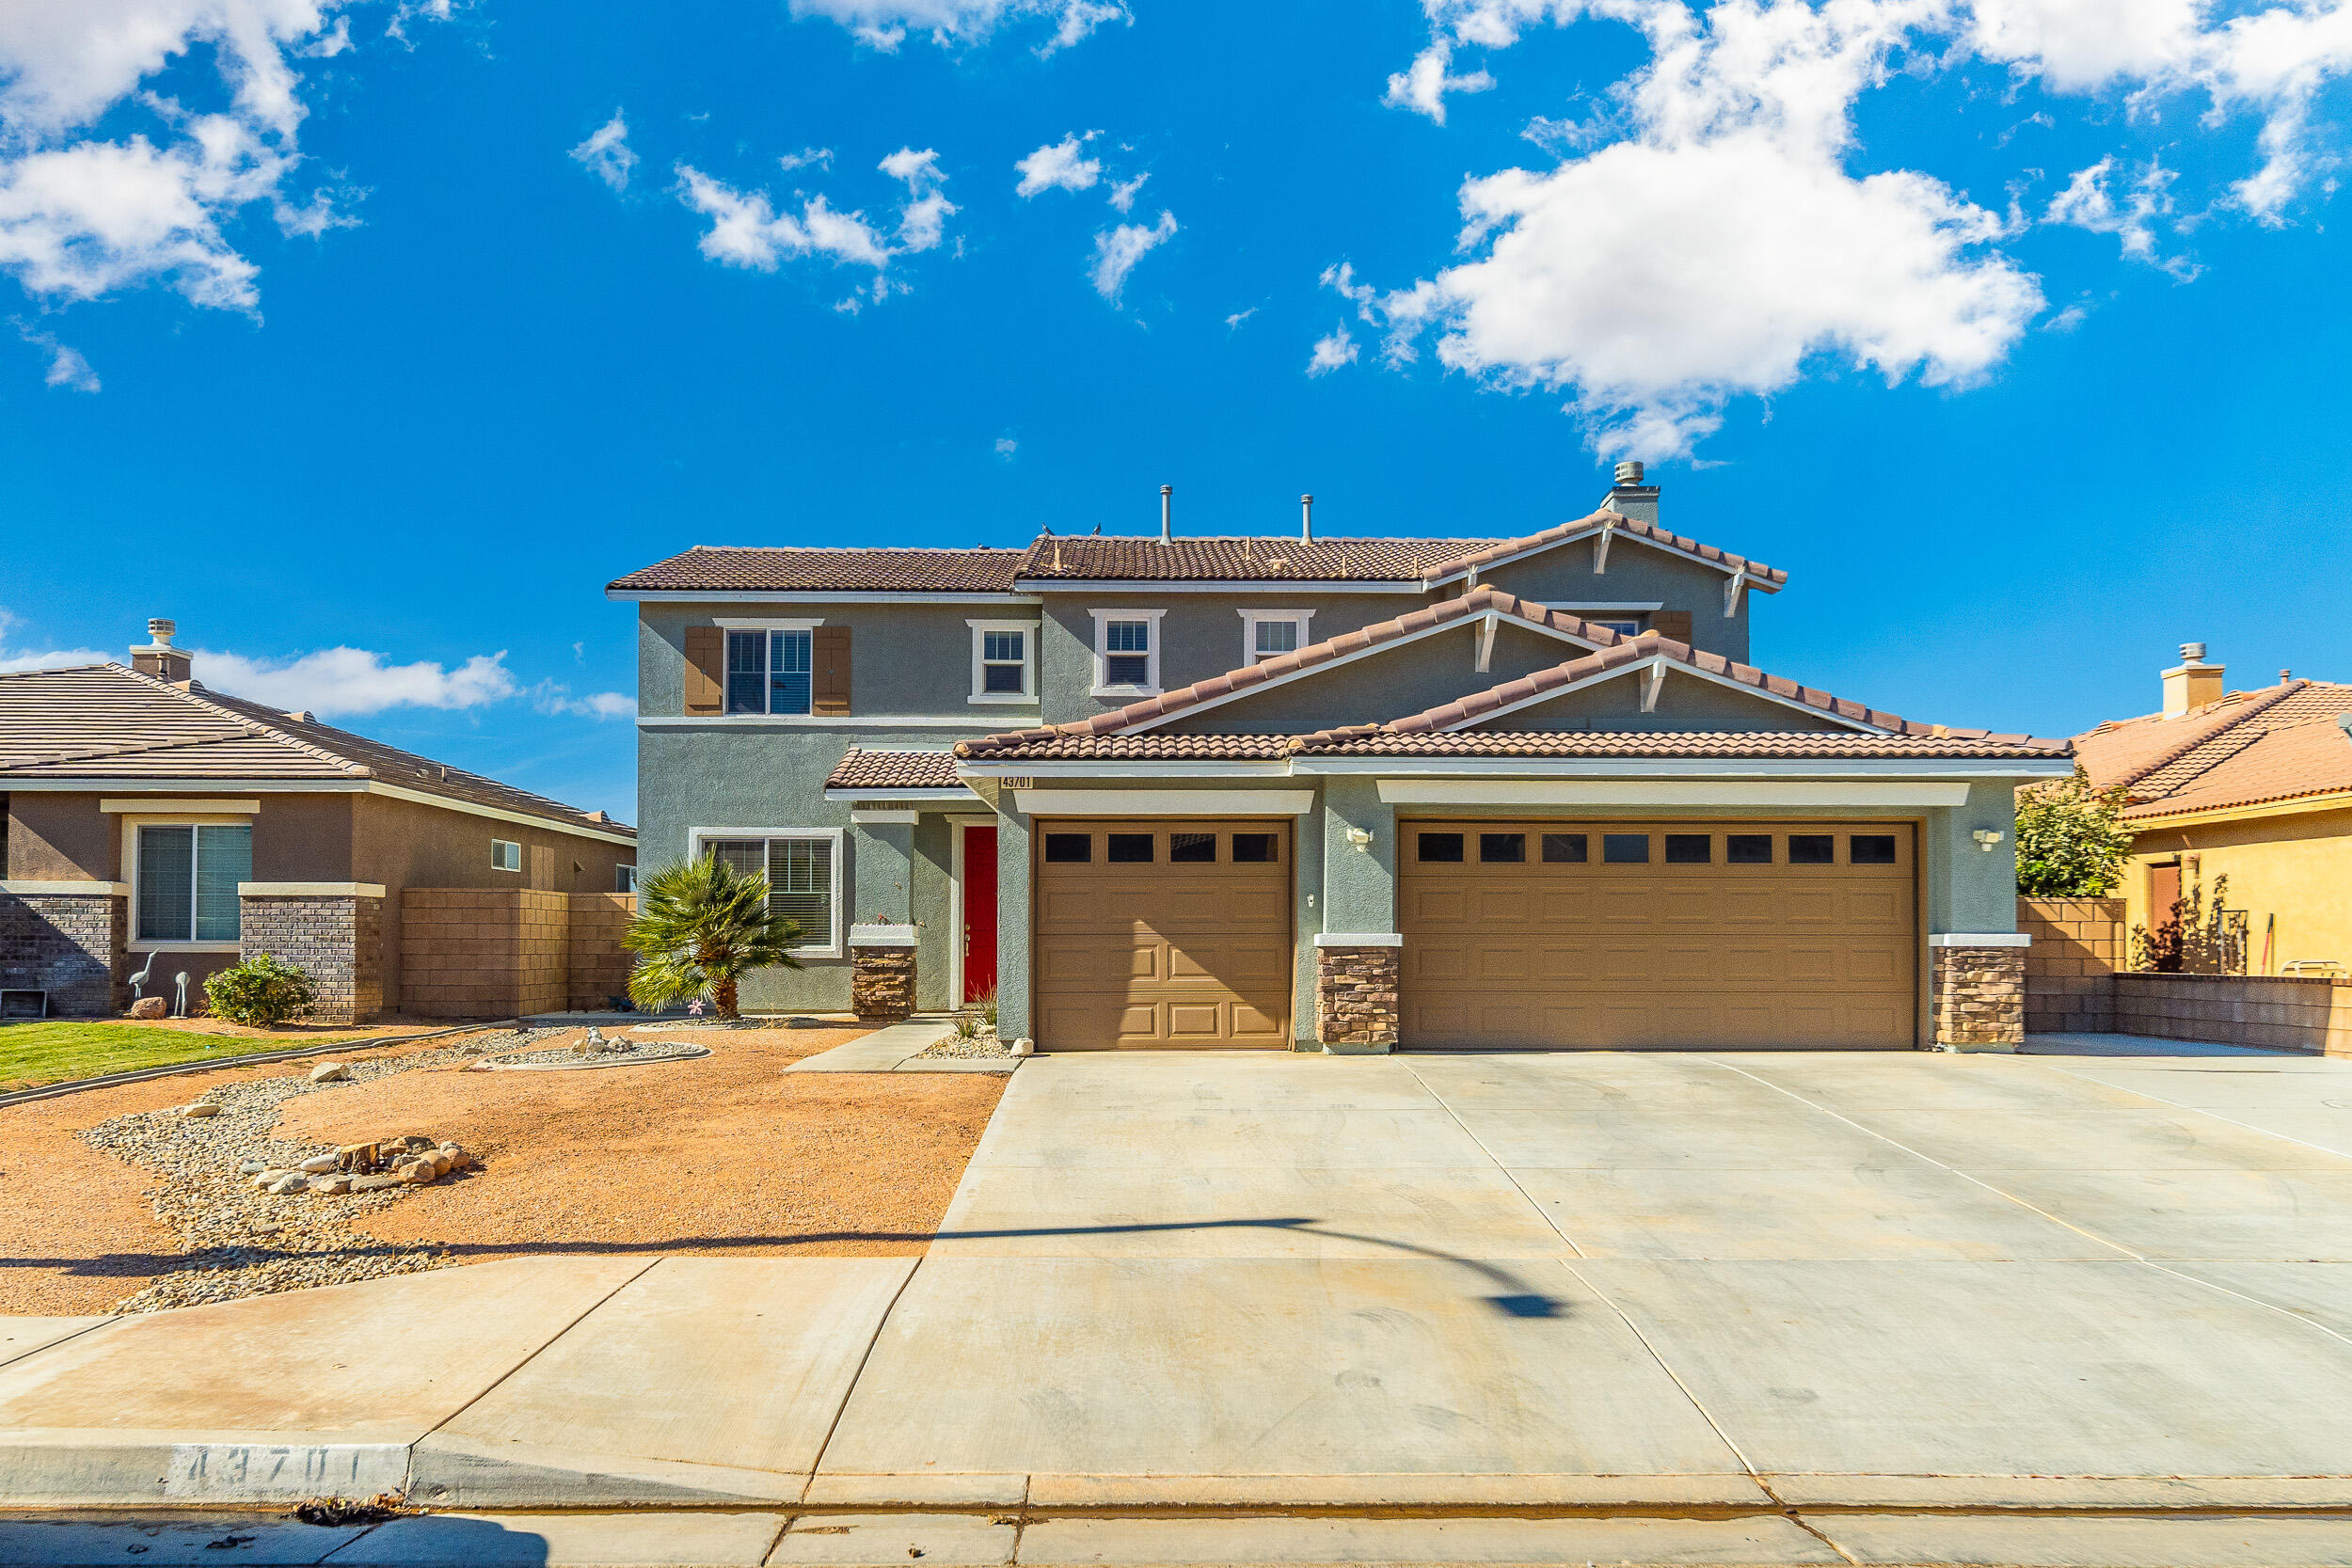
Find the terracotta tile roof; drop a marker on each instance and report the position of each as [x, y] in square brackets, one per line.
[2255, 748]
[1095, 557]
[1373, 741]
[104, 721]
[884, 770]
[1768, 579]
[1477, 601]
[761, 569]
[1469, 710]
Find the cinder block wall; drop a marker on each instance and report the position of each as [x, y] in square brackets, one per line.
[598, 965]
[2071, 968]
[484, 951]
[2275, 1011]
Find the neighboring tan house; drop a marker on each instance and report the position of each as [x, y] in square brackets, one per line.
[153, 825]
[2255, 787]
[1357, 792]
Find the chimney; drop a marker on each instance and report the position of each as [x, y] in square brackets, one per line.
[2193, 683]
[1632, 500]
[1307, 519]
[1166, 527]
[159, 658]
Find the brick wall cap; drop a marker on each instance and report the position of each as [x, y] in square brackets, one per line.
[1359, 939]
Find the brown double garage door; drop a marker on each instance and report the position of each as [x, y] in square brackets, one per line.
[1541, 935]
[1700, 935]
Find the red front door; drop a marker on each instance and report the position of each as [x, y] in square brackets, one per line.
[979, 913]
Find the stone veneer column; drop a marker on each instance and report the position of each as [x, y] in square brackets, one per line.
[1356, 990]
[331, 931]
[1979, 995]
[66, 939]
[881, 971]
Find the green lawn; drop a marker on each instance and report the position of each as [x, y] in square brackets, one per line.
[51, 1052]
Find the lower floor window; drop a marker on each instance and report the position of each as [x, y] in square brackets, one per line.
[802, 872]
[187, 880]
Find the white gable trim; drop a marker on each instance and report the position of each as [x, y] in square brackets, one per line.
[1345, 660]
[1654, 670]
[1614, 530]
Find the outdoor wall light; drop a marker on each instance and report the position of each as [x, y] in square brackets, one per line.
[1986, 838]
[1361, 839]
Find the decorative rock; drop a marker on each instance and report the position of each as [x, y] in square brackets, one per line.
[252, 1167]
[150, 1007]
[270, 1176]
[1025, 1047]
[331, 1186]
[330, 1071]
[318, 1163]
[294, 1181]
[373, 1183]
[200, 1109]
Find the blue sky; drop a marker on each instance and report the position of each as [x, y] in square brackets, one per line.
[370, 340]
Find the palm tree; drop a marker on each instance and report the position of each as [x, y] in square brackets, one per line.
[700, 927]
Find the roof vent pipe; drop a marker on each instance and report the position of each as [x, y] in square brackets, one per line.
[2192, 683]
[1307, 519]
[1629, 474]
[1166, 527]
[158, 657]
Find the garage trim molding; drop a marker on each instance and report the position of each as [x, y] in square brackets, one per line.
[1359, 939]
[1980, 939]
[1165, 803]
[1670, 792]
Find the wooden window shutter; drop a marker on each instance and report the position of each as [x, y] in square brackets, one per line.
[1674, 624]
[829, 682]
[706, 669]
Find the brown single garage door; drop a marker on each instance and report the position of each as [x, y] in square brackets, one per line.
[1690, 935]
[1163, 934]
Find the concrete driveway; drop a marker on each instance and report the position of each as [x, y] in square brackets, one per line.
[1649, 1284]
[1846, 1278]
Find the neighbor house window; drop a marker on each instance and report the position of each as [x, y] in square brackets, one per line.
[506, 855]
[1623, 628]
[1126, 652]
[768, 670]
[804, 870]
[1002, 667]
[1269, 633]
[625, 879]
[187, 878]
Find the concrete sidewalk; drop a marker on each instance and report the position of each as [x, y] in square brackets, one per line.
[898, 1047]
[1653, 1286]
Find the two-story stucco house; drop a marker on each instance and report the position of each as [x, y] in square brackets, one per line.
[1358, 793]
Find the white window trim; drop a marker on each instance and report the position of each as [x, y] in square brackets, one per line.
[1250, 619]
[1026, 696]
[131, 825]
[766, 624]
[697, 838]
[516, 869]
[1103, 688]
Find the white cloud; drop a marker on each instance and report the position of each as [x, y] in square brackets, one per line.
[923, 218]
[151, 202]
[67, 368]
[2089, 202]
[885, 23]
[550, 696]
[1338, 348]
[1124, 194]
[606, 154]
[1059, 165]
[1006, 446]
[746, 230]
[1240, 316]
[335, 681]
[1117, 250]
[807, 157]
[1421, 86]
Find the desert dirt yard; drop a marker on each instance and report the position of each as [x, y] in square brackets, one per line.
[111, 1201]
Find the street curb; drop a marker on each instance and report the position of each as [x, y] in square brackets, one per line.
[173, 1069]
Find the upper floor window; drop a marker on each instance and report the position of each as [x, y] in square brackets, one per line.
[188, 876]
[768, 671]
[1003, 662]
[1267, 633]
[1126, 652]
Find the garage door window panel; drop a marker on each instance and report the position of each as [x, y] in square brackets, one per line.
[1690, 850]
[1625, 848]
[1502, 849]
[1564, 848]
[1812, 849]
[1748, 848]
[1441, 849]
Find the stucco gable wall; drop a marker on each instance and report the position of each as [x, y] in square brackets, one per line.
[1386, 684]
[1686, 703]
[1638, 573]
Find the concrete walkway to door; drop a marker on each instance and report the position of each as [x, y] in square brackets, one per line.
[1658, 1284]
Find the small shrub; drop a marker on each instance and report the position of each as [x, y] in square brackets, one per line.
[966, 1026]
[263, 991]
[988, 1010]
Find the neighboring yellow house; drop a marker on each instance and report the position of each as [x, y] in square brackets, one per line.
[2252, 786]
